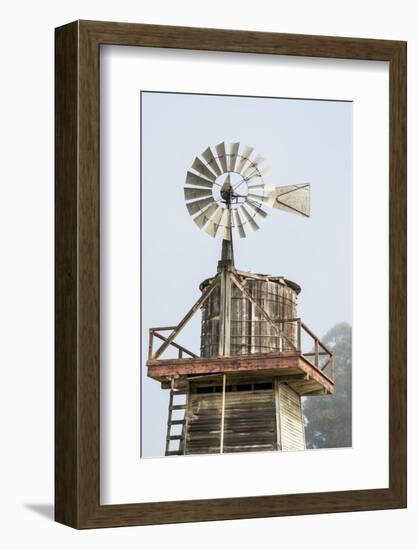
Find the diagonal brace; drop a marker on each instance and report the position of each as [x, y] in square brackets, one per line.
[200, 302]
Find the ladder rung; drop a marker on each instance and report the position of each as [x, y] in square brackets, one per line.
[176, 422]
[171, 453]
[179, 392]
[173, 437]
[177, 407]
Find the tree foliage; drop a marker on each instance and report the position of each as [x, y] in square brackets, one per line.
[328, 419]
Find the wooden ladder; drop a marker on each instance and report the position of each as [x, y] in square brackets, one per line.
[179, 422]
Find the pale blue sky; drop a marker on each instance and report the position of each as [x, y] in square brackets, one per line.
[302, 141]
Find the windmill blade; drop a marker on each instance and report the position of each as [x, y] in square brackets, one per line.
[234, 149]
[211, 161]
[247, 151]
[264, 199]
[237, 223]
[214, 224]
[199, 166]
[193, 179]
[227, 226]
[204, 216]
[258, 186]
[194, 207]
[252, 223]
[191, 193]
[265, 172]
[255, 175]
[264, 186]
[253, 167]
[292, 198]
[256, 197]
[257, 208]
[221, 153]
[254, 178]
[259, 173]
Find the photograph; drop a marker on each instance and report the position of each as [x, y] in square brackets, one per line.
[246, 273]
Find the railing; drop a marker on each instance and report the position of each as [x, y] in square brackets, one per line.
[284, 335]
[322, 357]
[155, 333]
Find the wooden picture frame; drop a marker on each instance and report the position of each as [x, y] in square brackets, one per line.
[77, 402]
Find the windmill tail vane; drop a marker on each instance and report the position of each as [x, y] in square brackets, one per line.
[226, 193]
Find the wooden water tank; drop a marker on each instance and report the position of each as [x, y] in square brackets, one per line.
[249, 331]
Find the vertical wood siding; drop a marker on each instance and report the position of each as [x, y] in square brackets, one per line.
[291, 419]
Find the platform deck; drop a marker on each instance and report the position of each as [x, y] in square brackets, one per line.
[298, 371]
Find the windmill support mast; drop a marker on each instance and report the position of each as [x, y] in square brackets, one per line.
[225, 267]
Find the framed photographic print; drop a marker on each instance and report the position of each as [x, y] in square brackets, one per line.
[230, 274]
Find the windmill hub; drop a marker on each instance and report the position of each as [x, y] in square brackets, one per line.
[231, 188]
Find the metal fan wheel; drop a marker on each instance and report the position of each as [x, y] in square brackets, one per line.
[225, 189]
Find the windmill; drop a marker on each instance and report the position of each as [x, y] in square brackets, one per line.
[228, 192]
[257, 357]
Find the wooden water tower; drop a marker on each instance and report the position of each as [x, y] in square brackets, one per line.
[257, 357]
